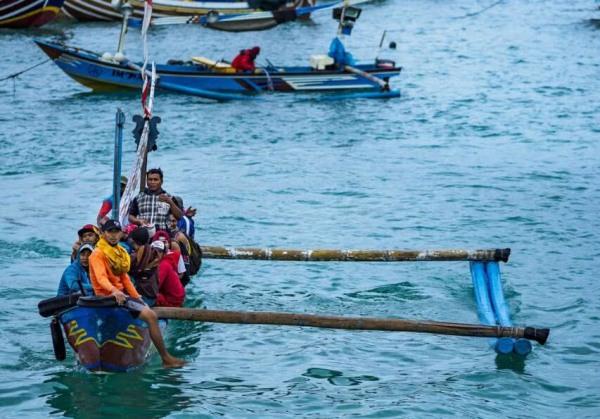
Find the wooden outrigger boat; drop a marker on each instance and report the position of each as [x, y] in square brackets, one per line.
[108, 10]
[206, 78]
[28, 13]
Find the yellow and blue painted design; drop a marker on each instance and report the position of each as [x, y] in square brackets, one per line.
[107, 338]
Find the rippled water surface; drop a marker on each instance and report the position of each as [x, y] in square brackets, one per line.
[494, 143]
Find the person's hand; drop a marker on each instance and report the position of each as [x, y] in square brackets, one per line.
[163, 197]
[119, 296]
[76, 246]
[190, 212]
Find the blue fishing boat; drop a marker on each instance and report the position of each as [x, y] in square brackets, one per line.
[203, 77]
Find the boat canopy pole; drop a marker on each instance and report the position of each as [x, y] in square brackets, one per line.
[335, 255]
[351, 323]
[119, 122]
[126, 10]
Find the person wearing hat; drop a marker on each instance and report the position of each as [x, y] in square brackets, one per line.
[170, 290]
[107, 204]
[87, 234]
[76, 277]
[109, 267]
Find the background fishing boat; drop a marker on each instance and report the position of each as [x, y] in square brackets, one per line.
[28, 13]
[200, 76]
[95, 10]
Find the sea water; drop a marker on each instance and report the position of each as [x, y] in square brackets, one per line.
[494, 143]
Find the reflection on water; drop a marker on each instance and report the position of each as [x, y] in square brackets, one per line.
[154, 391]
[510, 362]
[337, 378]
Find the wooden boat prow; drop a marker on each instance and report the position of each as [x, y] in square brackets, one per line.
[106, 339]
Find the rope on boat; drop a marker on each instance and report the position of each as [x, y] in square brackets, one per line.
[485, 9]
[18, 73]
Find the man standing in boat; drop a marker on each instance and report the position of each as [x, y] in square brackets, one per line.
[109, 264]
[153, 205]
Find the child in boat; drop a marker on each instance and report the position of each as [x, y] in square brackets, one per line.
[87, 234]
[76, 277]
[244, 61]
[109, 264]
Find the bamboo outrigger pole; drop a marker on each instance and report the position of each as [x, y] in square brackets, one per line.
[351, 323]
[330, 255]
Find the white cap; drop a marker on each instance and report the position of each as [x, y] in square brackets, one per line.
[157, 244]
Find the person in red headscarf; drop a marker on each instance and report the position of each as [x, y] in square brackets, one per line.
[244, 61]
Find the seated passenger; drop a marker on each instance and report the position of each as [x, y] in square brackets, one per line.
[170, 291]
[244, 61]
[186, 223]
[173, 253]
[76, 277]
[144, 265]
[86, 234]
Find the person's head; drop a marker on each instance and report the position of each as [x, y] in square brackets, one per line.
[162, 236]
[111, 232]
[179, 202]
[88, 234]
[160, 248]
[123, 184]
[154, 179]
[172, 223]
[139, 236]
[254, 52]
[84, 254]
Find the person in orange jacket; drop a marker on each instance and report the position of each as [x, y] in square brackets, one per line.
[109, 264]
[244, 61]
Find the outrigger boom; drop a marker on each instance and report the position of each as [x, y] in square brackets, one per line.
[351, 323]
[335, 255]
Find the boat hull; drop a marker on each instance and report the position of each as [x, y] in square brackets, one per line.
[94, 10]
[28, 13]
[106, 339]
[90, 70]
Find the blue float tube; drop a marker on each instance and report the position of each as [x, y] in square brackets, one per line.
[485, 309]
[208, 94]
[522, 346]
[364, 95]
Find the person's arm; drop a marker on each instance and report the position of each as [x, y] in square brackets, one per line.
[175, 210]
[104, 210]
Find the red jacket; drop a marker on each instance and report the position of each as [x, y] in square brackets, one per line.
[244, 61]
[170, 291]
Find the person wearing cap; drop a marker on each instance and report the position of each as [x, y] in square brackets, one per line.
[152, 206]
[109, 264]
[170, 290]
[173, 254]
[107, 204]
[76, 277]
[87, 234]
